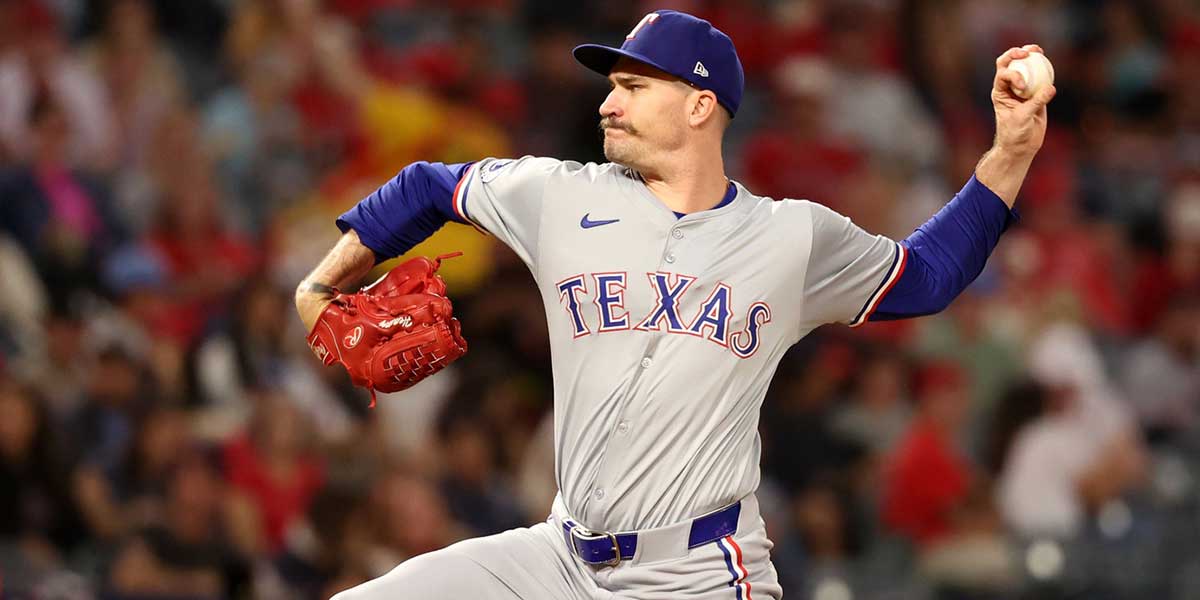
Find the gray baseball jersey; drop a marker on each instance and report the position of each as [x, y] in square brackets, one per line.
[666, 331]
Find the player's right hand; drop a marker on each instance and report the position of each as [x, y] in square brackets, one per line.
[1020, 123]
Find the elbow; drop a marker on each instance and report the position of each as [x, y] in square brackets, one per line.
[941, 280]
[302, 299]
[942, 294]
[939, 304]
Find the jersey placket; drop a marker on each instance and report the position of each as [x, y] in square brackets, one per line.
[615, 464]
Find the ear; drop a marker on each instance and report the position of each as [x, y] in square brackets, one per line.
[703, 107]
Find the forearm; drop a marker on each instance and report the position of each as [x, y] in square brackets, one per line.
[348, 262]
[1003, 171]
[391, 221]
[942, 257]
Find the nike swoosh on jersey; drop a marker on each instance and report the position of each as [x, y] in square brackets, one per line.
[588, 224]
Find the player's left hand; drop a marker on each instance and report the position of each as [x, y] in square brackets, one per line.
[1020, 123]
[395, 332]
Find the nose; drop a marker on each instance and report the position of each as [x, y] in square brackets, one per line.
[611, 107]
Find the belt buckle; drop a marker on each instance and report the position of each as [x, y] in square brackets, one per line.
[585, 533]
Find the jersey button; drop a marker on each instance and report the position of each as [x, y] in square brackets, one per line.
[677, 234]
[670, 258]
[646, 362]
[623, 427]
[598, 494]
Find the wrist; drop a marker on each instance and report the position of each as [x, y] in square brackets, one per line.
[1002, 170]
[311, 301]
[1013, 153]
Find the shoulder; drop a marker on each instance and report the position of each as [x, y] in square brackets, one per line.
[596, 171]
[558, 170]
[788, 209]
[495, 168]
[826, 224]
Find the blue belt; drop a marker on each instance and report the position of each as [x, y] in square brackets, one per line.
[604, 548]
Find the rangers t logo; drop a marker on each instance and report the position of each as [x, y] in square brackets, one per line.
[646, 20]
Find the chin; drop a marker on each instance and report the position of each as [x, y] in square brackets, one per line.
[620, 155]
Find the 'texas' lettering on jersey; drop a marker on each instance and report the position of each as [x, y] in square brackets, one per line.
[711, 322]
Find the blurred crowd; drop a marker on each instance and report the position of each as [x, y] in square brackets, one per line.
[169, 170]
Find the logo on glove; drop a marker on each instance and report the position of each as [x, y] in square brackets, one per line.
[351, 340]
[319, 349]
[371, 333]
[403, 321]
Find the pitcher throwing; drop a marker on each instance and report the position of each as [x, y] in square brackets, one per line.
[671, 294]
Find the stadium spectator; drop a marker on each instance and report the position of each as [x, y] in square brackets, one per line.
[37, 512]
[59, 215]
[40, 64]
[927, 478]
[187, 553]
[273, 468]
[1161, 376]
[1079, 452]
[411, 518]
[876, 415]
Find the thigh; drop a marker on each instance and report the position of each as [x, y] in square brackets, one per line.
[520, 564]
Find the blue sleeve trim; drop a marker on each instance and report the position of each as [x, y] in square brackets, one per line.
[406, 210]
[947, 253]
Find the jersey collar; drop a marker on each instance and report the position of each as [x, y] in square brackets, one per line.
[668, 217]
[730, 194]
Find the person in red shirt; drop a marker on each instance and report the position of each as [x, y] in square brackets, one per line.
[271, 467]
[926, 478]
[205, 259]
[797, 150]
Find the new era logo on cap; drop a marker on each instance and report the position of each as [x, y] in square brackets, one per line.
[700, 70]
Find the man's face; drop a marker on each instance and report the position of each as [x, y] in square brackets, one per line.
[644, 115]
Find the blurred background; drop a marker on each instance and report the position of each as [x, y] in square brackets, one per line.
[169, 170]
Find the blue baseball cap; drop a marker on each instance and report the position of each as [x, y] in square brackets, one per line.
[681, 45]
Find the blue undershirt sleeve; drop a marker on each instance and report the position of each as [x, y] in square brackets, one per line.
[406, 210]
[947, 253]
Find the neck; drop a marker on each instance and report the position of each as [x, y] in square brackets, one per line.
[690, 185]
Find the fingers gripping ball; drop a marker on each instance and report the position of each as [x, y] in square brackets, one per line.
[393, 333]
[1036, 71]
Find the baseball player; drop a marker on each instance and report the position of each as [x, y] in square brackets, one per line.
[671, 293]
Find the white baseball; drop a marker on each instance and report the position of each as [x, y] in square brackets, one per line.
[1037, 72]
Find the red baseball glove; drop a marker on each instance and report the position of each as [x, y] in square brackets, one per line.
[393, 333]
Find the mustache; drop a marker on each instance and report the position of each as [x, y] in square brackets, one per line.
[609, 123]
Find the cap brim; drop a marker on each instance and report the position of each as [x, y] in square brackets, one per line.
[602, 59]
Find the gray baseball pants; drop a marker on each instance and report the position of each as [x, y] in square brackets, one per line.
[535, 563]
